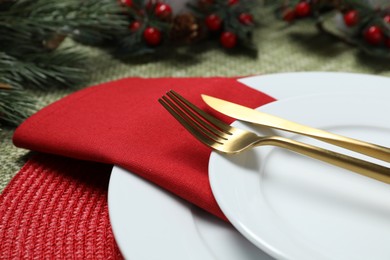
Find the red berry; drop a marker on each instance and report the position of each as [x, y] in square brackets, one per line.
[387, 18]
[228, 40]
[152, 36]
[374, 35]
[288, 15]
[351, 18]
[246, 18]
[213, 22]
[163, 10]
[128, 3]
[302, 9]
[232, 2]
[134, 26]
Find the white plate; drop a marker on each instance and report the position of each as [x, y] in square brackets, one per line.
[149, 223]
[294, 207]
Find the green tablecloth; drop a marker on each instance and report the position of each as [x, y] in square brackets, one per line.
[281, 49]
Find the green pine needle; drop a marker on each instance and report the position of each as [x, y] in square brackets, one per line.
[43, 70]
[15, 106]
[26, 60]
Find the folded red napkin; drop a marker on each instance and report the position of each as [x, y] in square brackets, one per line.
[122, 123]
[56, 208]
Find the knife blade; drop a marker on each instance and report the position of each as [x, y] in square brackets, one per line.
[257, 117]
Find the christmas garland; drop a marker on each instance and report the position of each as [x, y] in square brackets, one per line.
[153, 26]
[364, 24]
[32, 32]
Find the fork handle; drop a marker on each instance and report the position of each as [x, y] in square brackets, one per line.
[359, 166]
[369, 149]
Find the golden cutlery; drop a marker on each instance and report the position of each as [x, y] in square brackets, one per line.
[227, 139]
[253, 116]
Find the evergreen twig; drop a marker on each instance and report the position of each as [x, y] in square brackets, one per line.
[324, 12]
[30, 58]
[15, 106]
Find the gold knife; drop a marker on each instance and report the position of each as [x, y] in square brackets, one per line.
[253, 116]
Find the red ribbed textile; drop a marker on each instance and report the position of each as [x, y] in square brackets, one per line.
[56, 208]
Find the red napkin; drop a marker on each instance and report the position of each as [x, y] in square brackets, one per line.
[56, 207]
[122, 123]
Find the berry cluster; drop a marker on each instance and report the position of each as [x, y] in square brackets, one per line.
[227, 19]
[368, 26]
[154, 23]
[159, 10]
[300, 10]
[373, 33]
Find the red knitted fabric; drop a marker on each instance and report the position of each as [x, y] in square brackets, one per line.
[56, 208]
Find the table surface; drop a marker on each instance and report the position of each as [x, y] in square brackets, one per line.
[281, 48]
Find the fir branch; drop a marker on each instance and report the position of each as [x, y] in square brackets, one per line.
[355, 35]
[43, 70]
[49, 14]
[14, 105]
[31, 31]
[81, 19]
[27, 28]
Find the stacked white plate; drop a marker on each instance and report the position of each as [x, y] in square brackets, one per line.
[282, 205]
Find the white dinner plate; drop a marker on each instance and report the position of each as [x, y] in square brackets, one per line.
[295, 207]
[149, 223]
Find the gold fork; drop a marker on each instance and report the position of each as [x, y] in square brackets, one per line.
[231, 140]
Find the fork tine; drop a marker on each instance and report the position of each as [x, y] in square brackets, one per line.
[223, 126]
[188, 123]
[198, 118]
[192, 121]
